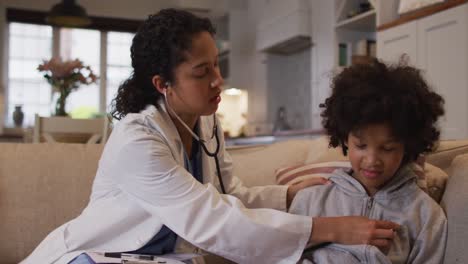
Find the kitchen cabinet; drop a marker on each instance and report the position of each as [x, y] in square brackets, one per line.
[394, 42]
[438, 45]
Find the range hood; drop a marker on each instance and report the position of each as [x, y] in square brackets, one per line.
[286, 34]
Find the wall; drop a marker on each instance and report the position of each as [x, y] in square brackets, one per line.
[257, 72]
[289, 85]
[247, 66]
[322, 55]
[260, 73]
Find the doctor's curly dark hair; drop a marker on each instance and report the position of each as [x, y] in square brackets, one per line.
[157, 49]
[377, 93]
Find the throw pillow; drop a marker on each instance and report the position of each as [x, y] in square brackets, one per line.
[430, 178]
[293, 174]
[436, 180]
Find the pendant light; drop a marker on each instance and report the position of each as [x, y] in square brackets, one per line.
[68, 14]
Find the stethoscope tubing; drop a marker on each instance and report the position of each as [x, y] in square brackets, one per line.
[215, 156]
[202, 142]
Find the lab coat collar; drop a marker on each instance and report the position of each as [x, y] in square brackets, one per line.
[162, 122]
[161, 116]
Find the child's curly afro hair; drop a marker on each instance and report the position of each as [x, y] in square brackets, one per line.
[377, 93]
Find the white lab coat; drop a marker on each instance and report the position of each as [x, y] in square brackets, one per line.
[141, 184]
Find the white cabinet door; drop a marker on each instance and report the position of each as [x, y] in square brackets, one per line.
[443, 56]
[396, 41]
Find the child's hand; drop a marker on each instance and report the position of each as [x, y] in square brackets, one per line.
[293, 189]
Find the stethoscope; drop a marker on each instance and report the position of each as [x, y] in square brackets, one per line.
[200, 140]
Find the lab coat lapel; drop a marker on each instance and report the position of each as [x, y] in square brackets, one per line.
[169, 131]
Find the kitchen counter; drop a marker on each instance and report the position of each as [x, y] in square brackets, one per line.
[276, 137]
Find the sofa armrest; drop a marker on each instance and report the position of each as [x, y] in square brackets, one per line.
[454, 202]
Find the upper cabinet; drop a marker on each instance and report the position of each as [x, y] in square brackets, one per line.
[394, 42]
[438, 45]
[442, 41]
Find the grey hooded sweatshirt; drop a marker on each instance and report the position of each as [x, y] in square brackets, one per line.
[421, 239]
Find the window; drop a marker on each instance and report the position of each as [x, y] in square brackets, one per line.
[118, 62]
[29, 44]
[81, 44]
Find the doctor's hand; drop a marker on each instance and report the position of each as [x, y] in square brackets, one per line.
[353, 230]
[296, 187]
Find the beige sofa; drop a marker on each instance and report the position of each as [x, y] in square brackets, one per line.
[44, 185]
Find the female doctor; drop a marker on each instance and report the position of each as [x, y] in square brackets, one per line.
[159, 186]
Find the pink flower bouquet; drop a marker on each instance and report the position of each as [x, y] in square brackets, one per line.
[65, 77]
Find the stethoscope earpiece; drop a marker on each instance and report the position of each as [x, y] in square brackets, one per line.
[167, 84]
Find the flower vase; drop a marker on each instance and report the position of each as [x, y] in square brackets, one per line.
[60, 104]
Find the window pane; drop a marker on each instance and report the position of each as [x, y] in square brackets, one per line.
[119, 65]
[82, 44]
[28, 46]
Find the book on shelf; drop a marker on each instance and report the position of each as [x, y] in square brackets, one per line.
[342, 55]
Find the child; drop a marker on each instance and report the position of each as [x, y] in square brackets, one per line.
[383, 117]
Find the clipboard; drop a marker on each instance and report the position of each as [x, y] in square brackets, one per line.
[124, 258]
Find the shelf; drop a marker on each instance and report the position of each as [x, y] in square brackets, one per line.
[363, 22]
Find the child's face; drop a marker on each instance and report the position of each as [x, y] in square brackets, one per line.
[375, 155]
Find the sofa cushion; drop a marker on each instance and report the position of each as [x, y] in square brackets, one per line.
[436, 180]
[322, 152]
[255, 165]
[41, 187]
[447, 150]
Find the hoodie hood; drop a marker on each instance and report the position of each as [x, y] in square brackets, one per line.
[394, 187]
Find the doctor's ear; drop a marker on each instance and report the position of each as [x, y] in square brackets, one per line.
[160, 84]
